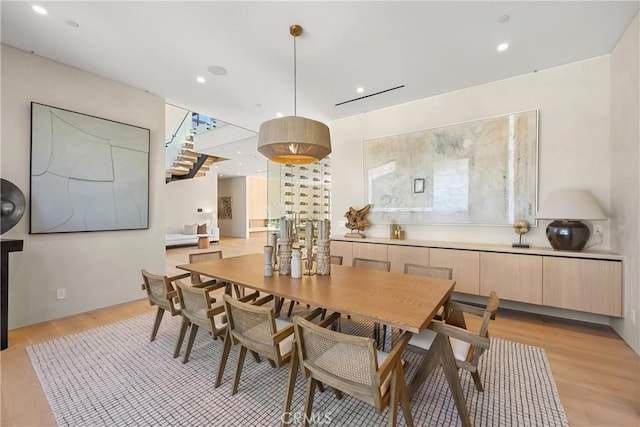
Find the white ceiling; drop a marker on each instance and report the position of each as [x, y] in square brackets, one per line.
[430, 47]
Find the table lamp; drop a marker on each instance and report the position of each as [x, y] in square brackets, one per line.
[567, 209]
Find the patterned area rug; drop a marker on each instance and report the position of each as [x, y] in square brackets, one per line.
[113, 376]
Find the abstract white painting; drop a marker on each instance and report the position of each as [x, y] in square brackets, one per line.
[87, 173]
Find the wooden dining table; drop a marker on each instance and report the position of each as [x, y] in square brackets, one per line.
[402, 301]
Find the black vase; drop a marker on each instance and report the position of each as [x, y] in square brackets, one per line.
[565, 235]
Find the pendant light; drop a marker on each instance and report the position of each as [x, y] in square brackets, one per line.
[294, 139]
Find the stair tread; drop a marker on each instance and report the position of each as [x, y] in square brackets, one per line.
[186, 163]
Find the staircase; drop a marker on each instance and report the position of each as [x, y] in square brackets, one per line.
[189, 163]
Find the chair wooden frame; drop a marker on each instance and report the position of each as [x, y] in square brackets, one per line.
[373, 393]
[196, 279]
[198, 312]
[269, 348]
[478, 342]
[161, 293]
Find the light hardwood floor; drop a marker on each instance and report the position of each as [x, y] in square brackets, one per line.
[597, 374]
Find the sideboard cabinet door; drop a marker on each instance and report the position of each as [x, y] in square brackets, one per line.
[513, 277]
[343, 249]
[465, 265]
[369, 251]
[401, 255]
[594, 286]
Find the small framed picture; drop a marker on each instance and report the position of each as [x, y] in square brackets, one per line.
[418, 185]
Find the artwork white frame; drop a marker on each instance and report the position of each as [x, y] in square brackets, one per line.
[87, 173]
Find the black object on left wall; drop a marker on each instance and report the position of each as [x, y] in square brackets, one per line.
[12, 206]
[6, 246]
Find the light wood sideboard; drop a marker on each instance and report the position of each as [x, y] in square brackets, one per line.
[588, 281]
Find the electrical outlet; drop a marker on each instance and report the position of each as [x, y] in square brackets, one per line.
[61, 293]
[597, 229]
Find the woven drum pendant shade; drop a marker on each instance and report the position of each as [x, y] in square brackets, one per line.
[294, 140]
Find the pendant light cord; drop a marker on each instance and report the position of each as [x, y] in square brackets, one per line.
[295, 111]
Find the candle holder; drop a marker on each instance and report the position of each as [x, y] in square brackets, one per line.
[273, 241]
[296, 264]
[323, 258]
[268, 266]
[285, 256]
[308, 229]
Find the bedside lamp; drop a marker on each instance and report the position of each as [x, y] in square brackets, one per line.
[568, 208]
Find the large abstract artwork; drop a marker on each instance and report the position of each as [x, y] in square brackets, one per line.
[87, 173]
[482, 172]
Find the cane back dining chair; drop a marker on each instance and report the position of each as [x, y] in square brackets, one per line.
[254, 327]
[430, 271]
[161, 293]
[467, 346]
[196, 278]
[374, 264]
[335, 259]
[352, 365]
[198, 312]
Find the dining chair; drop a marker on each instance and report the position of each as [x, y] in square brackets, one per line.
[352, 365]
[374, 264]
[161, 293]
[430, 271]
[254, 327]
[196, 278]
[371, 264]
[335, 260]
[467, 346]
[198, 312]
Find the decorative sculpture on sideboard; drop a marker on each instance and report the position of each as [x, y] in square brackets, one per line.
[357, 220]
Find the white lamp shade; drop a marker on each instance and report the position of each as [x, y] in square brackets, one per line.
[571, 205]
[294, 140]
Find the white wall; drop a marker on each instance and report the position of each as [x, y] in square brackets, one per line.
[237, 189]
[573, 141]
[625, 177]
[184, 197]
[97, 269]
[588, 138]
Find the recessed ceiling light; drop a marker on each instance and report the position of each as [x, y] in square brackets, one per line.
[503, 19]
[217, 70]
[200, 79]
[239, 163]
[73, 24]
[503, 46]
[39, 9]
[278, 114]
[360, 90]
[215, 167]
[239, 152]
